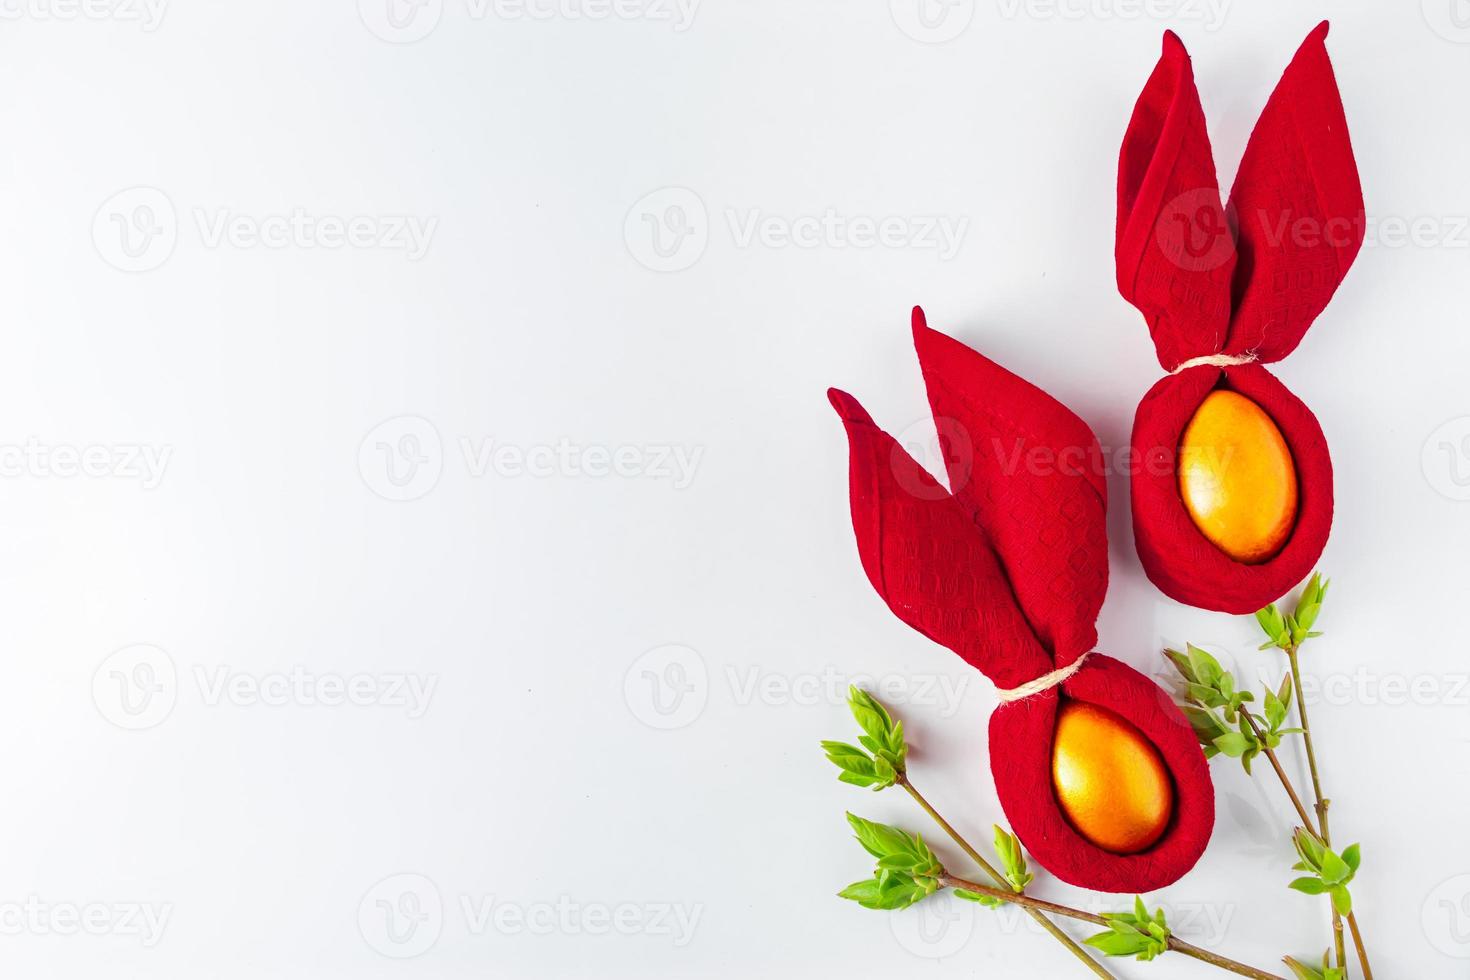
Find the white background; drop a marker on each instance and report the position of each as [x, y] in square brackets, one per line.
[283, 379]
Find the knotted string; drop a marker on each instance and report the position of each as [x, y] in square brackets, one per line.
[1216, 360]
[1043, 683]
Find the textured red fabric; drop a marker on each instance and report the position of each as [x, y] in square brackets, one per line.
[1247, 286]
[1009, 571]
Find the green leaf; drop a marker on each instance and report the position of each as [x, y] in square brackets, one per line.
[880, 840]
[1206, 668]
[883, 736]
[1353, 857]
[871, 716]
[1310, 604]
[1301, 971]
[1205, 695]
[989, 901]
[865, 893]
[1341, 900]
[1112, 944]
[1310, 849]
[1133, 933]
[1207, 726]
[1233, 744]
[1275, 712]
[1283, 693]
[862, 766]
[1270, 621]
[1181, 664]
[899, 854]
[900, 862]
[1334, 869]
[897, 745]
[901, 897]
[842, 750]
[1308, 886]
[1012, 859]
[857, 779]
[1326, 971]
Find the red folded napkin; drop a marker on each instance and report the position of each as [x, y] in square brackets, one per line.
[1297, 213]
[1008, 568]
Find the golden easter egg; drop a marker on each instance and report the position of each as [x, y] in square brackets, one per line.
[1109, 779]
[1237, 478]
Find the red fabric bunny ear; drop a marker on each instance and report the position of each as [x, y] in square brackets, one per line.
[927, 559]
[1029, 471]
[1298, 205]
[1174, 252]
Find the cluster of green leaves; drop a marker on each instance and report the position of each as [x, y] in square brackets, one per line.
[887, 753]
[907, 870]
[1012, 860]
[1330, 873]
[1013, 869]
[1217, 710]
[1289, 631]
[1135, 933]
[1305, 971]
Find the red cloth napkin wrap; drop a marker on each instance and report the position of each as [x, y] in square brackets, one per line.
[1297, 213]
[1008, 568]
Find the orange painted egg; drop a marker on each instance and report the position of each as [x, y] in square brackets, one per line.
[1237, 478]
[1109, 779]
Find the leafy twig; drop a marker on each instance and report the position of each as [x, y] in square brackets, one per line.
[907, 872]
[885, 764]
[1288, 633]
